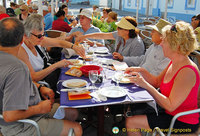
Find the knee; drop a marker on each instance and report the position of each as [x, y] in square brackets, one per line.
[78, 130]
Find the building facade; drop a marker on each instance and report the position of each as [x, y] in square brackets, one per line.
[176, 9]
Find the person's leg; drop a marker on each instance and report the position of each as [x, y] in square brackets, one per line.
[69, 124]
[135, 123]
[71, 114]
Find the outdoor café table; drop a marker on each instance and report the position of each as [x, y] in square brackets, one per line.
[137, 94]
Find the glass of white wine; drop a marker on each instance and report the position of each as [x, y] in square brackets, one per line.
[93, 76]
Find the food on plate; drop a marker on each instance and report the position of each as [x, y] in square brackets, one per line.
[76, 84]
[125, 79]
[74, 72]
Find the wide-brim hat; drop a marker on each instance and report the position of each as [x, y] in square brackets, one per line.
[160, 25]
[125, 24]
[86, 12]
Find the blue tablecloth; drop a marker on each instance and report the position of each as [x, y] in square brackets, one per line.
[137, 93]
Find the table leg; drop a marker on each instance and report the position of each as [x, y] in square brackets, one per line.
[100, 129]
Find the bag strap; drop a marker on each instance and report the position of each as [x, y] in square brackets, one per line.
[42, 55]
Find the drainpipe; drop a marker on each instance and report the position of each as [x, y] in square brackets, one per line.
[137, 10]
[166, 5]
[147, 9]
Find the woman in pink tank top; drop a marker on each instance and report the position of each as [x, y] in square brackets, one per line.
[178, 84]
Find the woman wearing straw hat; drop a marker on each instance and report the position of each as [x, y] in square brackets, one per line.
[127, 42]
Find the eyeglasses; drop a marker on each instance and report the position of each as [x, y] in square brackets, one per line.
[38, 36]
[173, 28]
[22, 9]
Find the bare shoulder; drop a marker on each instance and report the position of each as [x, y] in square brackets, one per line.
[22, 53]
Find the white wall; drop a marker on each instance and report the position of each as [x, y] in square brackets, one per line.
[103, 3]
[115, 4]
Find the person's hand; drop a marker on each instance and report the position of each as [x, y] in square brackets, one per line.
[91, 43]
[77, 34]
[47, 93]
[139, 80]
[74, 22]
[80, 39]
[117, 56]
[62, 63]
[45, 106]
[80, 50]
[132, 70]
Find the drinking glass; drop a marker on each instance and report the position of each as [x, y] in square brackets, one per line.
[119, 76]
[93, 76]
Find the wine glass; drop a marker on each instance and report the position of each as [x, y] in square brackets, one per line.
[93, 76]
[118, 76]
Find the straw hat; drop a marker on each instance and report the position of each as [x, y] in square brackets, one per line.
[125, 24]
[160, 25]
[86, 12]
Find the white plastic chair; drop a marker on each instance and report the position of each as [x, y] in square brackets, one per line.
[158, 131]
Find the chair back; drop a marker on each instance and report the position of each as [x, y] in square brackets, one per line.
[53, 33]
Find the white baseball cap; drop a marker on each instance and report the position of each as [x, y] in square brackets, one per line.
[86, 12]
[45, 8]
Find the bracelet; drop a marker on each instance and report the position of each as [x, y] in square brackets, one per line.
[72, 46]
[41, 85]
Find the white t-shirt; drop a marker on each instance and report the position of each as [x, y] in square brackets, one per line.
[36, 61]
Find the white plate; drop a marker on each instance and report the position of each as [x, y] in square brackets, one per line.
[113, 91]
[108, 61]
[101, 50]
[76, 83]
[76, 62]
[124, 80]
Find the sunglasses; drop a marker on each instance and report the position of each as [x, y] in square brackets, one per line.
[173, 28]
[22, 9]
[38, 36]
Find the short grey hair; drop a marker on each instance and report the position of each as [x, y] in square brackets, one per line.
[2, 9]
[33, 22]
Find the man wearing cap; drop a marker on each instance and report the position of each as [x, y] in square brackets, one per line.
[86, 28]
[154, 60]
[127, 42]
[48, 19]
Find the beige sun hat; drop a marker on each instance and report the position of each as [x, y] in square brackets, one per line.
[86, 12]
[125, 24]
[160, 25]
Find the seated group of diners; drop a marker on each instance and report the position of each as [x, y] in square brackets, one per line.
[165, 65]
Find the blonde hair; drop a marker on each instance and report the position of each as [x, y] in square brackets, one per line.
[113, 15]
[181, 37]
[25, 7]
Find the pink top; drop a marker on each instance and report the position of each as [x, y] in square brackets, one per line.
[190, 102]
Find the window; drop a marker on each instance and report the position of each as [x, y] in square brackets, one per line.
[170, 3]
[190, 4]
[129, 3]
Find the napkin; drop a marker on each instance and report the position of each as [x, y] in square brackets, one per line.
[120, 65]
[98, 96]
[74, 95]
[68, 52]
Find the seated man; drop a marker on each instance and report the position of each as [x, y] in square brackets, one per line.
[154, 60]
[20, 98]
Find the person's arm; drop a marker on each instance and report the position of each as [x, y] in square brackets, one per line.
[37, 76]
[54, 42]
[183, 83]
[40, 108]
[95, 36]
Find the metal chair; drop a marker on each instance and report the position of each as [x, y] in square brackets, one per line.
[158, 131]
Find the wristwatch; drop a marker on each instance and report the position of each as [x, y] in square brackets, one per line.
[41, 85]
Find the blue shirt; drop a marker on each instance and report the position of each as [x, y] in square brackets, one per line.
[92, 29]
[48, 20]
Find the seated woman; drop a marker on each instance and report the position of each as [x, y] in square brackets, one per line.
[60, 24]
[127, 42]
[178, 83]
[24, 13]
[31, 51]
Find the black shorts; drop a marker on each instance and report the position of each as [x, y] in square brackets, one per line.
[163, 121]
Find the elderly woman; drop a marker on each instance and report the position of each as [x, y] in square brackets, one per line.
[127, 42]
[31, 51]
[178, 83]
[24, 13]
